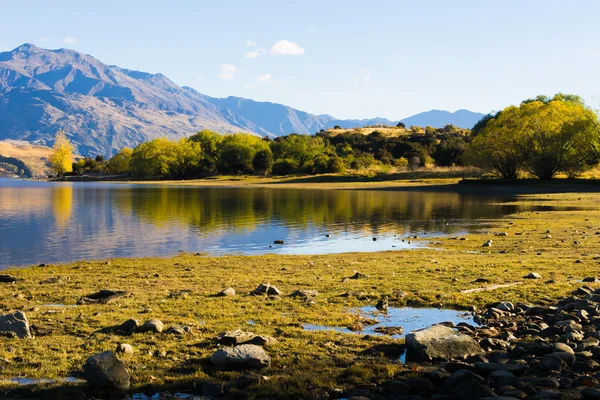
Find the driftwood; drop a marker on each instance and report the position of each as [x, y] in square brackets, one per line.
[488, 288]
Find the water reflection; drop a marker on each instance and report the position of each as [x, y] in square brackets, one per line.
[51, 222]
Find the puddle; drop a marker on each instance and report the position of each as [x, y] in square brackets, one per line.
[251, 322]
[409, 318]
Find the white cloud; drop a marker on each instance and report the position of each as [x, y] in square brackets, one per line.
[264, 78]
[71, 40]
[252, 54]
[250, 43]
[227, 71]
[286, 48]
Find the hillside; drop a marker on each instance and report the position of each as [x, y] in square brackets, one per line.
[34, 158]
[105, 107]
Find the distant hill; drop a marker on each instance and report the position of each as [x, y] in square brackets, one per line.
[104, 107]
[439, 118]
[33, 159]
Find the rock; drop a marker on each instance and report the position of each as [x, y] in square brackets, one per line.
[178, 330]
[8, 278]
[128, 327]
[382, 304]
[104, 370]
[125, 348]
[590, 279]
[304, 293]
[266, 288]
[279, 242]
[227, 292]
[16, 322]
[506, 306]
[551, 362]
[213, 389]
[237, 337]
[533, 275]
[487, 244]
[488, 368]
[234, 338]
[56, 279]
[440, 342]
[153, 325]
[590, 394]
[101, 297]
[461, 376]
[419, 385]
[358, 275]
[472, 389]
[562, 348]
[502, 234]
[389, 330]
[241, 357]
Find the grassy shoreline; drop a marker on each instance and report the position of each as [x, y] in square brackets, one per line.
[181, 289]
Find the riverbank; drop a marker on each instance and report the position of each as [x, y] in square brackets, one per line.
[561, 245]
[437, 180]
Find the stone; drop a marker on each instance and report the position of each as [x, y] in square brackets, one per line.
[125, 348]
[472, 389]
[551, 362]
[237, 337]
[8, 278]
[56, 280]
[178, 330]
[128, 327]
[382, 304]
[533, 275]
[506, 306]
[488, 368]
[562, 348]
[227, 292]
[101, 297]
[461, 376]
[440, 342]
[590, 394]
[266, 288]
[241, 357]
[304, 293]
[104, 370]
[153, 325]
[16, 322]
[419, 385]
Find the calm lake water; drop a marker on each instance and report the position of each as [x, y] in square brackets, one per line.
[42, 222]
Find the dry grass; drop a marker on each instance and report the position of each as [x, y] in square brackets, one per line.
[34, 156]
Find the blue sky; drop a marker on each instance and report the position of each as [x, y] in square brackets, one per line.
[350, 59]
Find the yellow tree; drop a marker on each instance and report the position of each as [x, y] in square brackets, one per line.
[62, 154]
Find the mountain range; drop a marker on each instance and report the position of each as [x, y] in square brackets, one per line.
[104, 107]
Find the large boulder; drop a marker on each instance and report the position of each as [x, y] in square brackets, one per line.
[241, 357]
[105, 370]
[17, 323]
[440, 342]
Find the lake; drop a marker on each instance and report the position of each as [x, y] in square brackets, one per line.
[49, 222]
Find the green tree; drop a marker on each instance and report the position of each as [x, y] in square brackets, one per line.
[120, 163]
[263, 161]
[62, 154]
[237, 152]
[210, 142]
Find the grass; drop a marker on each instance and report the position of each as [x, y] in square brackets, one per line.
[180, 290]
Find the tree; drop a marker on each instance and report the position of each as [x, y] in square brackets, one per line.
[543, 136]
[401, 125]
[120, 163]
[62, 154]
[210, 142]
[237, 152]
[263, 161]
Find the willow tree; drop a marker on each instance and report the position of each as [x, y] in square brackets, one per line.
[62, 154]
[543, 136]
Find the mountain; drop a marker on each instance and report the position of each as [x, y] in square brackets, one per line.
[439, 118]
[104, 107]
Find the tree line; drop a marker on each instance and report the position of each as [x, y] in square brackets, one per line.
[209, 153]
[540, 137]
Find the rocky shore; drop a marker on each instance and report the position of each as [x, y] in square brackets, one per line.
[519, 351]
